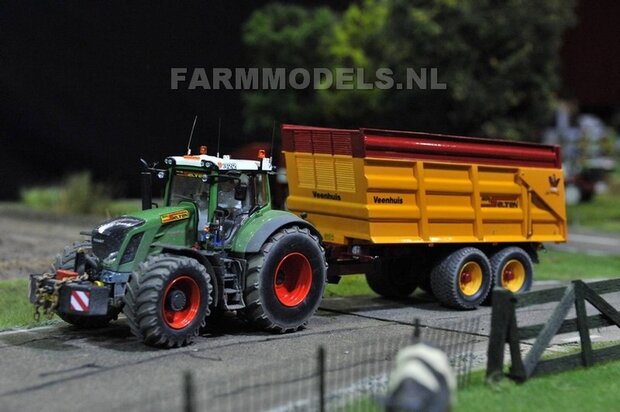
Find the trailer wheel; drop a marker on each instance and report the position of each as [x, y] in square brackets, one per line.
[167, 300]
[462, 280]
[512, 269]
[395, 280]
[285, 281]
[66, 260]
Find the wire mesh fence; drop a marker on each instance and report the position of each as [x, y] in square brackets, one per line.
[339, 378]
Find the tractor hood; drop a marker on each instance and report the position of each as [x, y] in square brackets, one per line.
[123, 242]
[108, 237]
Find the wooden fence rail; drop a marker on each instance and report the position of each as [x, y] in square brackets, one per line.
[505, 330]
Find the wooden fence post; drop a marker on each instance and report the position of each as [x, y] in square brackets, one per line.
[500, 318]
[321, 371]
[582, 324]
[189, 400]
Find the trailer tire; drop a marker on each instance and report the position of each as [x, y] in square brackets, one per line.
[462, 280]
[285, 281]
[66, 260]
[512, 269]
[167, 300]
[395, 280]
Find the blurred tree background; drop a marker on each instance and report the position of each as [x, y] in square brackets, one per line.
[499, 59]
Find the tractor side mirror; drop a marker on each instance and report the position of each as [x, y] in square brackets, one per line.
[241, 191]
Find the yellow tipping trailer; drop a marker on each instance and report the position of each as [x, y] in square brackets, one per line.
[411, 200]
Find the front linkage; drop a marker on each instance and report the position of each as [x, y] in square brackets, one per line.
[71, 292]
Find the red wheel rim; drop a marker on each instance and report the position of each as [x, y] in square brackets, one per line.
[292, 279]
[179, 314]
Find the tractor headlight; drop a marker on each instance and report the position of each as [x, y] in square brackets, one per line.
[132, 248]
[169, 161]
[110, 259]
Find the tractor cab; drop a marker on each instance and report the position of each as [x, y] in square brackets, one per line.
[224, 191]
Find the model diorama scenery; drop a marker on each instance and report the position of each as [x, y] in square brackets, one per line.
[452, 215]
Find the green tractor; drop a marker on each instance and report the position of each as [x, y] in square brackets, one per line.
[215, 245]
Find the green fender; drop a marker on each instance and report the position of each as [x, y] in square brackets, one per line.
[261, 225]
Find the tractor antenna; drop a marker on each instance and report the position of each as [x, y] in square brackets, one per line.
[219, 130]
[191, 134]
[273, 136]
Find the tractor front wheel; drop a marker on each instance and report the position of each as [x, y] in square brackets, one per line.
[167, 300]
[285, 281]
[66, 260]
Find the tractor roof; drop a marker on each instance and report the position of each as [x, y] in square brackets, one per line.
[220, 163]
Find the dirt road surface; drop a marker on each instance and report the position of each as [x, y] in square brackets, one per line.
[30, 240]
[60, 368]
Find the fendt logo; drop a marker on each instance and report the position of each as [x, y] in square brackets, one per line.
[174, 216]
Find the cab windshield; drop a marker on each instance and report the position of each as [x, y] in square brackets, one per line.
[189, 187]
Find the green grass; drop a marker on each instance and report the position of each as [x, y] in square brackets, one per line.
[16, 309]
[77, 194]
[592, 389]
[602, 214]
[556, 265]
[350, 285]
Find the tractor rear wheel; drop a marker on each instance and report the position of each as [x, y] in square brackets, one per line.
[285, 281]
[167, 300]
[395, 280]
[462, 280]
[66, 260]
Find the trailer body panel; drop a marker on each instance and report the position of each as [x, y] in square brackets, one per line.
[386, 187]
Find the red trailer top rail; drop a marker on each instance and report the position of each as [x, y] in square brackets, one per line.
[377, 143]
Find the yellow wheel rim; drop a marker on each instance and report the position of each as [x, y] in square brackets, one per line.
[513, 275]
[470, 279]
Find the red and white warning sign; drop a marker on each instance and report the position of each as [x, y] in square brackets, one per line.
[79, 300]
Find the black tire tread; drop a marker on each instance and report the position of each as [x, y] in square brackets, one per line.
[497, 261]
[254, 311]
[66, 260]
[142, 300]
[444, 279]
[387, 283]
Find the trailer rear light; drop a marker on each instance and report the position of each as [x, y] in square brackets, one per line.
[261, 154]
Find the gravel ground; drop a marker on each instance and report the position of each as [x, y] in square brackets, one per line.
[29, 240]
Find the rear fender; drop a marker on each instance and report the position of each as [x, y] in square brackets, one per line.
[256, 231]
